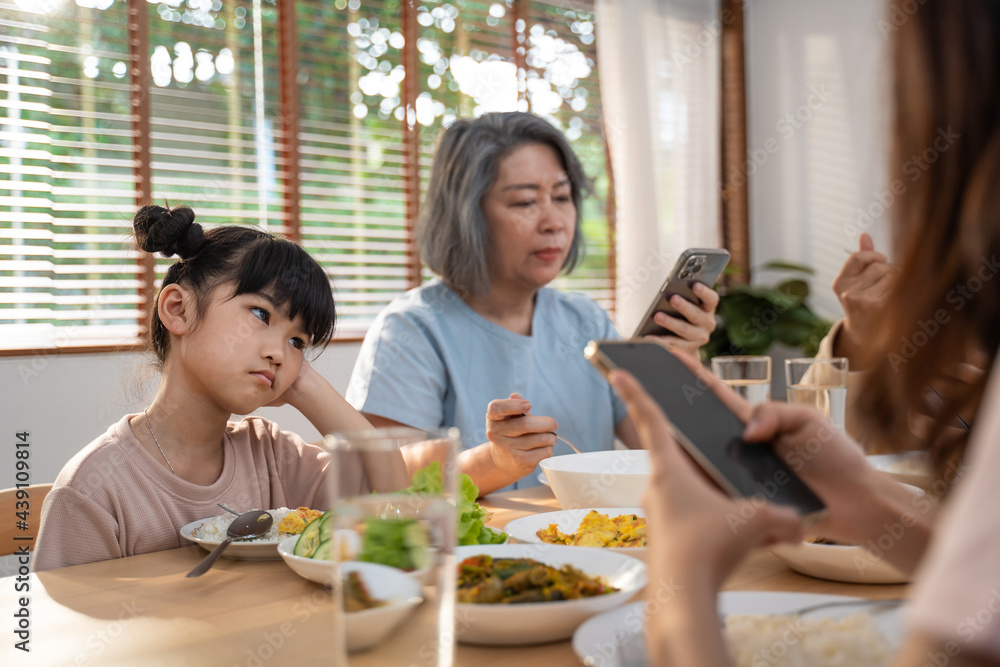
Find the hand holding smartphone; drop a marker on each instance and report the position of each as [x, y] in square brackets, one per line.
[702, 265]
[705, 427]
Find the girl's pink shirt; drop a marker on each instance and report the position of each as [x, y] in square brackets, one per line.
[113, 499]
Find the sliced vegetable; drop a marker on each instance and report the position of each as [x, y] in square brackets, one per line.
[324, 551]
[309, 539]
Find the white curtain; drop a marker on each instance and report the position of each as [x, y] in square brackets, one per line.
[659, 65]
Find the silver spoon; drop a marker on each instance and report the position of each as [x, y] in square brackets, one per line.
[245, 526]
[231, 511]
[572, 446]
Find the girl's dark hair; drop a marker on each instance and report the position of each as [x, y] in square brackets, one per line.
[946, 227]
[452, 232]
[247, 259]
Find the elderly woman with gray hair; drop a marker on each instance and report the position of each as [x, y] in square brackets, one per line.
[500, 222]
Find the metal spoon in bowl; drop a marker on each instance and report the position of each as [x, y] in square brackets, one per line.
[572, 446]
[245, 526]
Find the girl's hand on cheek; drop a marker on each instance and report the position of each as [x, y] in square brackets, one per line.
[294, 391]
[693, 526]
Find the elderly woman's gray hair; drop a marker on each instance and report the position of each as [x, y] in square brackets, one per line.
[452, 234]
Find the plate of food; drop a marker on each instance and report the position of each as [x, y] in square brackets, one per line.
[210, 532]
[826, 559]
[823, 559]
[618, 528]
[515, 594]
[906, 467]
[758, 624]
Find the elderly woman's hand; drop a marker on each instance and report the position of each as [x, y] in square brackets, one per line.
[691, 331]
[518, 440]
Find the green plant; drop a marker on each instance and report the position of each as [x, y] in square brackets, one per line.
[754, 317]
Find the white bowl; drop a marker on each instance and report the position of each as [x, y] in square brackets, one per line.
[539, 622]
[614, 478]
[526, 528]
[912, 468]
[843, 562]
[365, 628]
[320, 571]
[839, 562]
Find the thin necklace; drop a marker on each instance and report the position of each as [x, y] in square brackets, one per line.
[157, 441]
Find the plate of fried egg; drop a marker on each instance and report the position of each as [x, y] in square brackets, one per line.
[619, 528]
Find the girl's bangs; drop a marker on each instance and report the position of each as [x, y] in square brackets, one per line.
[287, 273]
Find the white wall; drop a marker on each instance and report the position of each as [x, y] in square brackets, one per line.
[817, 91]
[66, 400]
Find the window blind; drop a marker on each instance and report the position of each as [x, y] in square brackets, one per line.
[68, 150]
[66, 176]
[352, 160]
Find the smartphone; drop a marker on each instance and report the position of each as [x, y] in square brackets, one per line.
[703, 265]
[707, 429]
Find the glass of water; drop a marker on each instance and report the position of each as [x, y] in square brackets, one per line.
[392, 546]
[820, 383]
[749, 376]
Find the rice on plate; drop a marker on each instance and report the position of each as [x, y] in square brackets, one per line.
[216, 527]
[788, 640]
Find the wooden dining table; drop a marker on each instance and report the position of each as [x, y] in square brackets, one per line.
[141, 610]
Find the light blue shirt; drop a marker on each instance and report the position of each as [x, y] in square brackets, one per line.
[430, 361]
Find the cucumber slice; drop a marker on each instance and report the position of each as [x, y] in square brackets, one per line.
[324, 551]
[326, 526]
[308, 540]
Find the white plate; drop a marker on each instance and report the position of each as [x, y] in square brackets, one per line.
[851, 564]
[525, 529]
[257, 550]
[539, 622]
[907, 467]
[840, 562]
[595, 641]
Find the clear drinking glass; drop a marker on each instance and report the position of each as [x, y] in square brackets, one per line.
[820, 383]
[394, 536]
[748, 375]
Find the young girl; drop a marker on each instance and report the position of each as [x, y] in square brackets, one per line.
[230, 328]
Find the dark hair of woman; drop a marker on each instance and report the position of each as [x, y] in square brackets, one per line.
[452, 233]
[241, 259]
[946, 227]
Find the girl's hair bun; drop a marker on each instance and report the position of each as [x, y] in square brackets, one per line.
[168, 232]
